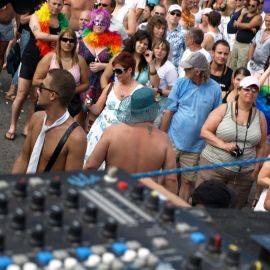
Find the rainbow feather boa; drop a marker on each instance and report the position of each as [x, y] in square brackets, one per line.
[44, 16]
[111, 40]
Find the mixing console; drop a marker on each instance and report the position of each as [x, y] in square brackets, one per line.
[104, 220]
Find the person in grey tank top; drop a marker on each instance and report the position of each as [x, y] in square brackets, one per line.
[236, 131]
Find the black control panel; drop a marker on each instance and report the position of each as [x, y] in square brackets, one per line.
[105, 220]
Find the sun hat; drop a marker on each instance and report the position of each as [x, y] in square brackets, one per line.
[174, 8]
[248, 81]
[195, 60]
[141, 106]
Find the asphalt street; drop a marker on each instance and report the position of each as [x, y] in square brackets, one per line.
[9, 150]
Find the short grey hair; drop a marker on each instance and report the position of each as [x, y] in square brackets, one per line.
[197, 34]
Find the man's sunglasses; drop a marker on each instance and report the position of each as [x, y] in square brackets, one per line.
[70, 40]
[119, 71]
[252, 6]
[97, 5]
[175, 13]
[251, 89]
[42, 87]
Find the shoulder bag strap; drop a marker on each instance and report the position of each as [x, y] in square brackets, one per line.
[60, 146]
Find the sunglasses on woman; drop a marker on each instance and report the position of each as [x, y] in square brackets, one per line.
[253, 90]
[97, 5]
[99, 23]
[119, 71]
[175, 13]
[70, 40]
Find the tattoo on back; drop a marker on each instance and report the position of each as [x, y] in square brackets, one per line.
[150, 129]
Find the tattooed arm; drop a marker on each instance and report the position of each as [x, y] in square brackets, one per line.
[35, 28]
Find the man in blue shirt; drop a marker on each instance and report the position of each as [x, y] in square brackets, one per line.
[175, 35]
[194, 97]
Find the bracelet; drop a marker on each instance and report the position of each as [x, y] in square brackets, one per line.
[153, 73]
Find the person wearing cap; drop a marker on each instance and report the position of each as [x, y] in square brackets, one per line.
[204, 23]
[194, 97]
[175, 35]
[143, 147]
[9, 8]
[236, 131]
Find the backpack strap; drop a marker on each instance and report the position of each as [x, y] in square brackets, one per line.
[60, 146]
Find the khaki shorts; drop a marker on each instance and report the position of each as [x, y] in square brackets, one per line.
[240, 183]
[187, 159]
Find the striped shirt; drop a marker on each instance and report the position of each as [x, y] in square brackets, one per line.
[226, 131]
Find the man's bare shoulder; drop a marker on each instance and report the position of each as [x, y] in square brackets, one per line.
[78, 136]
[37, 117]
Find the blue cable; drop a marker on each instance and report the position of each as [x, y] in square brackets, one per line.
[200, 168]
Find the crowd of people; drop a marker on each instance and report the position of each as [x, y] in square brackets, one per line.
[143, 85]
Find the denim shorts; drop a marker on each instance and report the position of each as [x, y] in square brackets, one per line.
[6, 31]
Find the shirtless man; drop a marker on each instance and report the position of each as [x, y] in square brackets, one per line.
[73, 8]
[54, 96]
[136, 145]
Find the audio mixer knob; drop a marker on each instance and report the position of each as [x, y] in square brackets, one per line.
[75, 232]
[168, 213]
[214, 244]
[37, 236]
[137, 193]
[90, 213]
[55, 187]
[110, 228]
[2, 241]
[233, 256]
[72, 199]
[20, 188]
[194, 263]
[37, 201]
[18, 220]
[56, 216]
[3, 204]
[153, 202]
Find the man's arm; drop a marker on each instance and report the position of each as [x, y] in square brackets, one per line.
[166, 120]
[76, 150]
[35, 28]
[255, 22]
[100, 152]
[7, 13]
[170, 181]
[21, 163]
[251, 50]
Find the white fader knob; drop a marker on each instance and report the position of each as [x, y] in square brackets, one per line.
[110, 177]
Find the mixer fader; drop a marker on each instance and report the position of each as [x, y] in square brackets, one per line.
[98, 220]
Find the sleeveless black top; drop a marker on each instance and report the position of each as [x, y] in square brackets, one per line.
[246, 35]
[31, 54]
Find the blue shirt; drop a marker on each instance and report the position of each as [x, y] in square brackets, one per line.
[191, 106]
[176, 38]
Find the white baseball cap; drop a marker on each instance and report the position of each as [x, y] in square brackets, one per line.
[174, 8]
[206, 11]
[248, 81]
